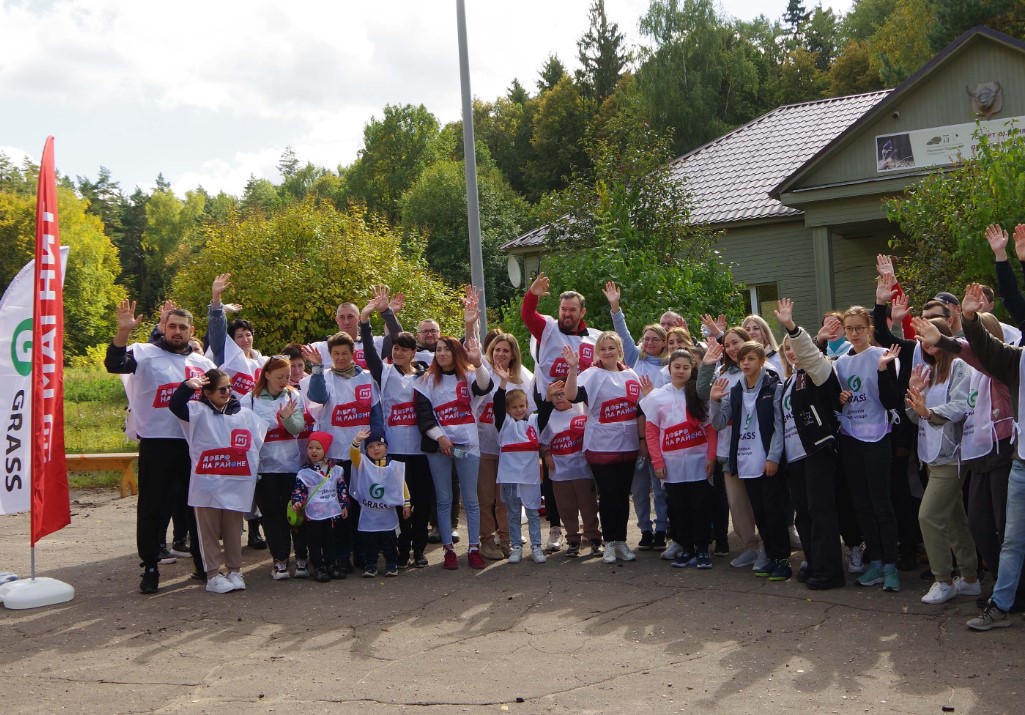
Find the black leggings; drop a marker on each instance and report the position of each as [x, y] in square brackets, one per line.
[413, 531]
[321, 535]
[614, 482]
[689, 508]
[867, 469]
[272, 494]
[813, 488]
[164, 470]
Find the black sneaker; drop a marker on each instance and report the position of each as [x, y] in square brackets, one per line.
[323, 576]
[434, 537]
[596, 548]
[802, 573]
[781, 570]
[659, 543]
[369, 571]
[166, 557]
[722, 547]
[420, 561]
[180, 549]
[646, 542]
[255, 540]
[403, 562]
[338, 571]
[150, 580]
[821, 583]
[198, 576]
[391, 570]
[573, 550]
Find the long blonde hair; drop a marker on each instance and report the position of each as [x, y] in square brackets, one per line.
[515, 362]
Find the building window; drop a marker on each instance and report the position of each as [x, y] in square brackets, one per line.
[763, 299]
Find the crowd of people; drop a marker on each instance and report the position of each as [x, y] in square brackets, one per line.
[860, 441]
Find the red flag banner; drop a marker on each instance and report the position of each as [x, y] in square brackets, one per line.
[51, 505]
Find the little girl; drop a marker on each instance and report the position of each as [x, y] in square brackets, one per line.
[518, 471]
[320, 491]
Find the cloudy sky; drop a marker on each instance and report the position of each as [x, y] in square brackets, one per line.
[211, 92]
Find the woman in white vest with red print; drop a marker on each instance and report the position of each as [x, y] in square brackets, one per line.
[611, 439]
[280, 406]
[224, 445]
[444, 413]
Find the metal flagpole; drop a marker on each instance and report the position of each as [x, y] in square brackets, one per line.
[470, 163]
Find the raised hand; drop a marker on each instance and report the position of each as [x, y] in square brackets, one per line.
[286, 410]
[473, 351]
[884, 265]
[612, 295]
[899, 308]
[916, 401]
[471, 305]
[571, 357]
[920, 377]
[198, 382]
[232, 308]
[311, 355]
[719, 389]
[925, 332]
[127, 320]
[884, 289]
[831, 329]
[554, 387]
[712, 354]
[368, 309]
[397, 302]
[888, 356]
[540, 285]
[996, 237]
[714, 327]
[221, 283]
[503, 374]
[973, 300]
[1019, 241]
[381, 300]
[785, 313]
[361, 435]
[646, 385]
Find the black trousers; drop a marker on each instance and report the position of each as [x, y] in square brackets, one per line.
[176, 510]
[689, 506]
[413, 531]
[321, 537]
[850, 530]
[614, 482]
[987, 503]
[770, 502]
[813, 488]
[719, 506]
[379, 542]
[867, 470]
[164, 467]
[272, 494]
[548, 492]
[905, 506]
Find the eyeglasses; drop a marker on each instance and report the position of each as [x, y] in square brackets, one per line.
[431, 331]
[855, 329]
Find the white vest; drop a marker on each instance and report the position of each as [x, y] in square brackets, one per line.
[550, 365]
[451, 399]
[324, 504]
[225, 454]
[751, 456]
[397, 401]
[517, 464]
[347, 409]
[863, 417]
[611, 409]
[484, 409]
[358, 356]
[979, 433]
[280, 451]
[564, 435]
[793, 447]
[722, 445]
[681, 438]
[378, 491]
[158, 374]
[243, 371]
[930, 437]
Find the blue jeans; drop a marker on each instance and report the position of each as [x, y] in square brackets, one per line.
[1013, 550]
[513, 504]
[645, 482]
[441, 473]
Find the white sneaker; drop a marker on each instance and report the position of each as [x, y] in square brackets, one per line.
[609, 556]
[746, 558]
[538, 554]
[761, 560]
[237, 582]
[516, 554]
[964, 588]
[795, 539]
[939, 592]
[219, 584]
[624, 553]
[673, 550]
[855, 562]
[279, 571]
[554, 540]
[301, 569]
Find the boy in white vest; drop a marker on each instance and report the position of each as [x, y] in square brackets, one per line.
[379, 485]
[320, 492]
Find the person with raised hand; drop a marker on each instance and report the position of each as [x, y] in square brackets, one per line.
[157, 368]
[811, 391]
[648, 360]
[720, 362]
[869, 396]
[1007, 282]
[444, 411]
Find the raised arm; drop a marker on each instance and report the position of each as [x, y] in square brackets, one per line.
[118, 360]
[612, 295]
[217, 325]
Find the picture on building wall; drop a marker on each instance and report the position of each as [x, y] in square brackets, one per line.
[893, 152]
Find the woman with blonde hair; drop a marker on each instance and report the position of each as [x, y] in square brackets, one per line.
[760, 332]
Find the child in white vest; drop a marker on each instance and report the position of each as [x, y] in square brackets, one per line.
[519, 473]
[320, 491]
[379, 486]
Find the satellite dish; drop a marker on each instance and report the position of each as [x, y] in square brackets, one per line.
[513, 266]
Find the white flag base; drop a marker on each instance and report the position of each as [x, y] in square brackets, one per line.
[35, 593]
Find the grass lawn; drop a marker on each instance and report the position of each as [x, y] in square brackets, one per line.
[94, 420]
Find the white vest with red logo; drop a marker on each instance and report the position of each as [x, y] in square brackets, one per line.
[484, 409]
[453, 408]
[681, 437]
[397, 400]
[280, 451]
[358, 356]
[550, 365]
[564, 435]
[158, 374]
[347, 409]
[225, 454]
[518, 461]
[611, 409]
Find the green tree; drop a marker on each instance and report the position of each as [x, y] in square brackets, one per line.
[260, 195]
[955, 16]
[801, 80]
[602, 54]
[173, 233]
[292, 268]
[901, 45]
[795, 17]
[865, 18]
[562, 117]
[821, 37]
[396, 149]
[550, 74]
[943, 218]
[852, 72]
